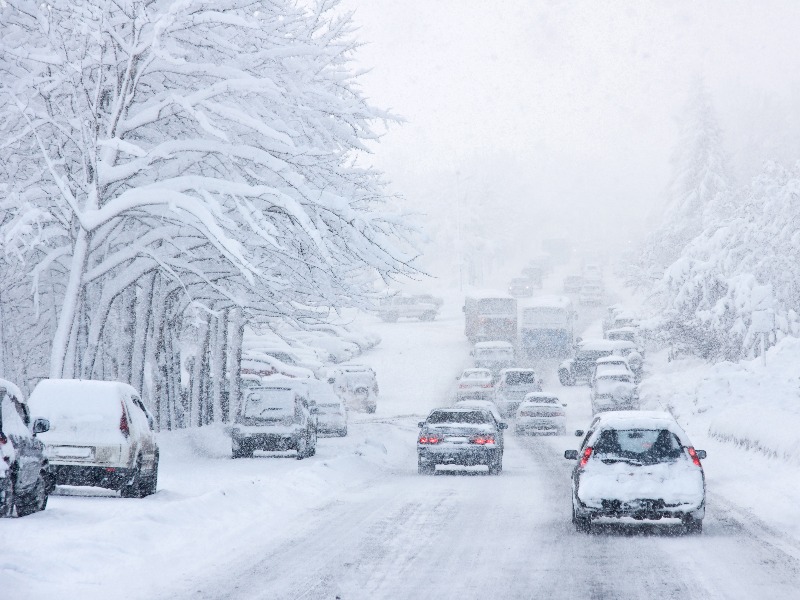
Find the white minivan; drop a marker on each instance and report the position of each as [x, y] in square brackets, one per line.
[101, 434]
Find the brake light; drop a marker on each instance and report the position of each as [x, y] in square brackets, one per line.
[429, 439]
[3, 439]
[482, 440]
[585, 458]
[695, 458]
[123, 423]
[487, 385]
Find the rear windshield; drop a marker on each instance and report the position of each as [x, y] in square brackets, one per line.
[473, 416]
[541, 401]
[269, 404]
[477, 375]
[520, 377]
[643, 445]
[496, 306]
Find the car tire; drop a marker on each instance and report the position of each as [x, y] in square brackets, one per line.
[425, 468]
[133, 487]
[241, 453]
[428, 316]
[583, 523]
[692, 526]
[302, 448]
[566, 378]
[150, 483]
[35, 501]
[342, 432]
[7, 495]
[496, 465]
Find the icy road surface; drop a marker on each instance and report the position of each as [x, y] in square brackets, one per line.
[356, 521]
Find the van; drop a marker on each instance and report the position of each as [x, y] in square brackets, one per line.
[100, 435]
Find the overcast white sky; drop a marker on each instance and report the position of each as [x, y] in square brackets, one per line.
[576, 100]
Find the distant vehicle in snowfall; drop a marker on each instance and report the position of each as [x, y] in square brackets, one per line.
[581, 367]
[101, 434]
[637, 464]
[331, 408]
[357, 385]
[626, 334]
[25, 482]
[406, 306]
[512, 387]
[429, 299]
[494, 356]
[337, 350]
[572, 284]
[291, 357]
[592, 272]
[475, 384]
[618, 318]
[591, 293]
[541, 413]
[364, 340]
[490, 316]
[547, 326]
[614, 390]
[275, 416]
[520, 287]
[266, 364]
[611, 365]
[534, 274]
[558, 249]
[460, 436]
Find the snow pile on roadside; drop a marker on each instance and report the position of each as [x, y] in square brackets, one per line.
[746, 404]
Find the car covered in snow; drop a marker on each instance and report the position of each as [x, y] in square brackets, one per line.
[274, 416]
[267, 364]
[407, 306]
[512, 386]
[520, 287]
[490, 315]
[541, 413]
[591, 292]
[611, 365]
[331, 414]
[580, 368]
[357, 385]
[25, 482]
[572, 284]
[494, 356]
[334, 349]
[614, 390]
[475, 383]
[637, 464]
[460, 436]
[101, 434]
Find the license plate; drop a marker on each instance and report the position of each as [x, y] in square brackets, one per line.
[73, 452]
[457, 440]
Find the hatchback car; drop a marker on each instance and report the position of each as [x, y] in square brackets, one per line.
[541, 413]
[100, 435]
[512, 387]
[637, 464]
[25, 482]
[460, 436]
[475, 383]
[331, 409]
[274, 417]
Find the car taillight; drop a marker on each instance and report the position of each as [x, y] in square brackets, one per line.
[463, 385]
[482, 440]
[585, 458]
[487, 385]
[429, 439]
[123, 423]
[3, 439]
[695, 458]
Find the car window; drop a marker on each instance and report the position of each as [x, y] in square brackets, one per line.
[474, 416]
[520, 377]
[645, 445]
[13, 425]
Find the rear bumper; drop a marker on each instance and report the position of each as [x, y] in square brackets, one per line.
[269, 442]
[646, 509]
[541, 424]
[464, 456]
[105, 477]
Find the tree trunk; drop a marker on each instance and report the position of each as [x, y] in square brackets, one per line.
[236, 333]
[218, 366]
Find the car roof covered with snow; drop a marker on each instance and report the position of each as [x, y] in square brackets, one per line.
[598, 345]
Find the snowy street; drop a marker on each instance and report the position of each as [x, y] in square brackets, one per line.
[356, 521]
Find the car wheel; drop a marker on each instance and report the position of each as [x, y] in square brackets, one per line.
[583, 523]
[496, 466]
[6, 495]
[302, 448]
[242, 453]
[133, 487]
[36, 500]
[425, 468]
[343, 432]
[371, 409]
[693, 526]
[150, 483]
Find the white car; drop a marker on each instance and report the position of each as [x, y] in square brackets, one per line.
[100, 435]
[512, 387]
[475, 383]
[541, 412]
[331, 409]
[336, 349]
[614, 391]
[265, 364]
[637, 464]
[611, 365]
[591, 293]
[494, 356]
[357, 385]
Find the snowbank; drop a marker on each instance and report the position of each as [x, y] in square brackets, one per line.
[746, 404]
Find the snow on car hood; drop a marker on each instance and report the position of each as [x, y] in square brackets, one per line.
[675, 482]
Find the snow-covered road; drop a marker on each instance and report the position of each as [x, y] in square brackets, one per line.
[356, 521]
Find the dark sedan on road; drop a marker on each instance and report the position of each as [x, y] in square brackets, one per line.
[460, 436]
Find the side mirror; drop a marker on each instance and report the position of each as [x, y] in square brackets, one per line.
[314, 410]
[421, 424]
[503, 425]
[331, 380]
[41, 426]
[701, 454]
[579, 432]
[571, 454]
[564, 404]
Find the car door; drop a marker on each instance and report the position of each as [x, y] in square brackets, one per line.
[27, 448]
